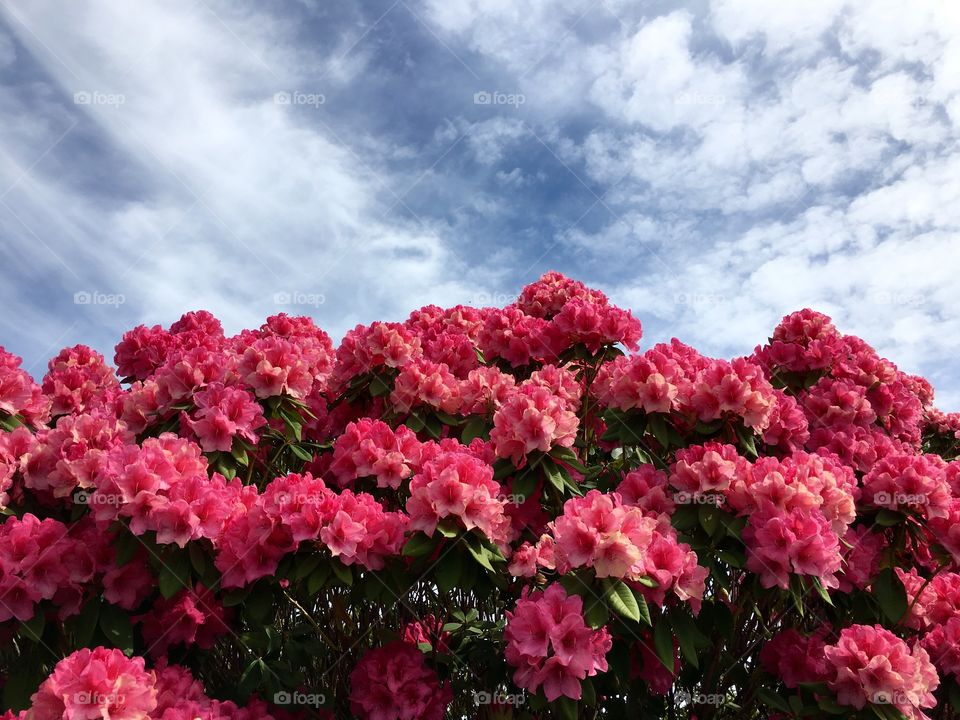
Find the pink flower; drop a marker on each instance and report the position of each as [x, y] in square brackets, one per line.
[95, 684]
[456, 484]
[532, 419]
[797, 542]
[369, 448]
[189, 617]
[869, 664]
[551, 646]
[224, 413]
[394, 683]
[425, 383]
[909, 482]
[795, 659]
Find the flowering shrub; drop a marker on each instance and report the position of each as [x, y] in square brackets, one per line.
[477, 513]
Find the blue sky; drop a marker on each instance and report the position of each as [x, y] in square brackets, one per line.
[712, 165]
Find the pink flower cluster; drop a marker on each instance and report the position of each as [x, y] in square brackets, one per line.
[797, 508]
[294, 509]
[551, 646]
[223, 413]
[457, 484]
[676, 378]
[163, 486]
[40, 560]
[104, 683]
[616, 540]
[394, 683]
[191, 617]
[869, 664]
[532, 418]
[915, 483]
[19, 394]
[370, 448]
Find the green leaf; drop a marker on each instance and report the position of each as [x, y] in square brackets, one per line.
[568, 456]
[709, 517]
[688, 635]
[524, 484]
[889, 518]
[566, 708]
[480, 553]
[448, 573]
[85, 624]
[663, 642]
[415, 422]
[32, 629]
[378, 387]
[476, 427]
[890, 594]
[344, 574]
[169, 582]
[21, 683]
[301, 452]
[597, 614]
[318, 578]
[419, 545]
[115, 623]
[748, 441]
[822, 591]
[771, 699]
[621, 599]
[198, 558]
[125, 546]
[658, 426]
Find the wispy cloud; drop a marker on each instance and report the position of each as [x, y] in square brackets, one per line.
[714, 165]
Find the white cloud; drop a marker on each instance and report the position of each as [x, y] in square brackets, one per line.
[235, 196]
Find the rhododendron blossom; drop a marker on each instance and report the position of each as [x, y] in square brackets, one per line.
[476, 512]
[550, 645]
